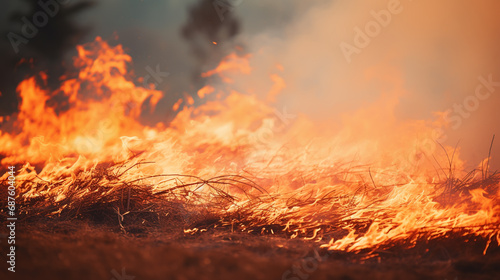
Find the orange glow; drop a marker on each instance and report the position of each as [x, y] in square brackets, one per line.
[175, 107]
[190, 99]
[231, 63]
[206, 90]
[375, 169]
[278, 86]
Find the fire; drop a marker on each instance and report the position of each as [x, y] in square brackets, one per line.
[100, 89]
[231, 63]
[206, 90]
[376, 184]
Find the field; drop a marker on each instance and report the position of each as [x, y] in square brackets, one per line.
[77, 250]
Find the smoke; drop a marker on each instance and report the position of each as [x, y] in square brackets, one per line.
[346, 64]
[409, 59]
[210, 30]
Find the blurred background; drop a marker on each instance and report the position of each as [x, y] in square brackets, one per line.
[411, 59]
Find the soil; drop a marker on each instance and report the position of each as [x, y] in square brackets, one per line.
[79, 250]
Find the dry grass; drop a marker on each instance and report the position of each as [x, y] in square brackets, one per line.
[107, 196]
[109, 220]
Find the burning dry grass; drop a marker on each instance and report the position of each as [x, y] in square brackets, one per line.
[109, 195]
[137, 178]
[234, 169]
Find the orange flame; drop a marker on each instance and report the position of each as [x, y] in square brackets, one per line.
[206, 90]
[374, 169]
[231, 63]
